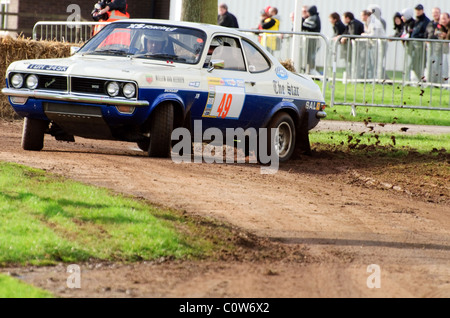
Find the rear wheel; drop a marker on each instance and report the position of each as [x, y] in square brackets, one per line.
[283, 142]
[33, 134]
[161, 127]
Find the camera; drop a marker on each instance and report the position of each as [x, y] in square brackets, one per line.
[97, 8]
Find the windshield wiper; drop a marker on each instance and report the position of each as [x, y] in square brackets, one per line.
[159, 56]
[115, 52]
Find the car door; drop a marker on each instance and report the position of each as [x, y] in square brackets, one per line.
[227, 86]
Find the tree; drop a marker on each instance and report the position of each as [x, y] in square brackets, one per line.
[203, 11]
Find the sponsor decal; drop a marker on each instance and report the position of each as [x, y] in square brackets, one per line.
[311, 105]
[226, 98]
[286, 89]
[194, 84]
[281, 73]
[42, 67]
[151, 27]
[149, 78]
[170, 79]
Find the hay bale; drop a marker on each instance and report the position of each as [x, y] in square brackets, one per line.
[289, 65]
[24, 49]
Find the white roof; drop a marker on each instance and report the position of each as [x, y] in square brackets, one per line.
[208, 28]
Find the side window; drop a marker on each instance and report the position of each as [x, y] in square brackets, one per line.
[229, 50]
[257, 62]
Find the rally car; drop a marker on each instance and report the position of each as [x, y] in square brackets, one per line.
[138, 80]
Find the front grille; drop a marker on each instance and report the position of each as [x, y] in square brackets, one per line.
[51, 82]
[88, 85]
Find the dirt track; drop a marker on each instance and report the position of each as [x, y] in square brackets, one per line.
[335, 219]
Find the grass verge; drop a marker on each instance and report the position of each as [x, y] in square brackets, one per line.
[388, 94]
[14, 288]
[392, 144]
[45, 219]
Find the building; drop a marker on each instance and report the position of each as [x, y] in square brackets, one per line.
[21, 15]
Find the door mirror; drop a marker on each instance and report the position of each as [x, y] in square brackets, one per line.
[216, 64]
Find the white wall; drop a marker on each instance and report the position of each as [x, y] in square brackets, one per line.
[248, 11]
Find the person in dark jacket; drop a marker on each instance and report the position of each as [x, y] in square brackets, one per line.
[338, 26]
[399, 25]
[419, 32]
[226, 18]
[353, 27]
[312, 24]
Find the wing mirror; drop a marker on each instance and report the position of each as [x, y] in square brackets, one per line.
[216, 64]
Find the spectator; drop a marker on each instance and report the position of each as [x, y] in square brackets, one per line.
[368, 49]
[409, 22]
[115, 9]
[312, 24]
[419, 32]
[271, 24]
[353, 27]
[399, 25]
[338, 26]
[444, 34]
[226, 18]
[376, 10]
[305, 15]
[432, 26]
[373, 27]
[434, 50]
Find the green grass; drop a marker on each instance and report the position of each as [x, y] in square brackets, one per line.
[389, 94]
[14, 288]
[45, 219]
[389, 143]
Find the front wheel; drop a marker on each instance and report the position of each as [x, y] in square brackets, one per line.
[33, 134]
[161, 127]
[283, 142]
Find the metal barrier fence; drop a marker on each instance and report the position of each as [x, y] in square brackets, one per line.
[64, 31]
[365, 71]
[390, 72]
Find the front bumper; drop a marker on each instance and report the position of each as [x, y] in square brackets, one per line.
[103, 100]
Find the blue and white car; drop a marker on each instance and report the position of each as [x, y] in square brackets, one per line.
[138, 80]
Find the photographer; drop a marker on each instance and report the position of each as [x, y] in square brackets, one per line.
[112, 10]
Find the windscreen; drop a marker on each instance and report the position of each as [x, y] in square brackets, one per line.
[148, 41]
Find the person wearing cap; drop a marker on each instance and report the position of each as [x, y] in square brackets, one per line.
[419, 32]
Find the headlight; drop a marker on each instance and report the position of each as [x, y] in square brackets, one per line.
[17, 81]
[113, 89]
[32, 81]
[129, 90]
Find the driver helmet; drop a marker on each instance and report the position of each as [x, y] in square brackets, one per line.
[155, 37]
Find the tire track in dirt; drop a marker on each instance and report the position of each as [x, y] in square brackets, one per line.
[342, 228]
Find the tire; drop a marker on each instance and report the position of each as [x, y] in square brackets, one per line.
[33, 134]
[285, 139]
[161, 127]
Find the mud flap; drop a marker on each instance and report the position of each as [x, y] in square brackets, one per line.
[302, 146]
